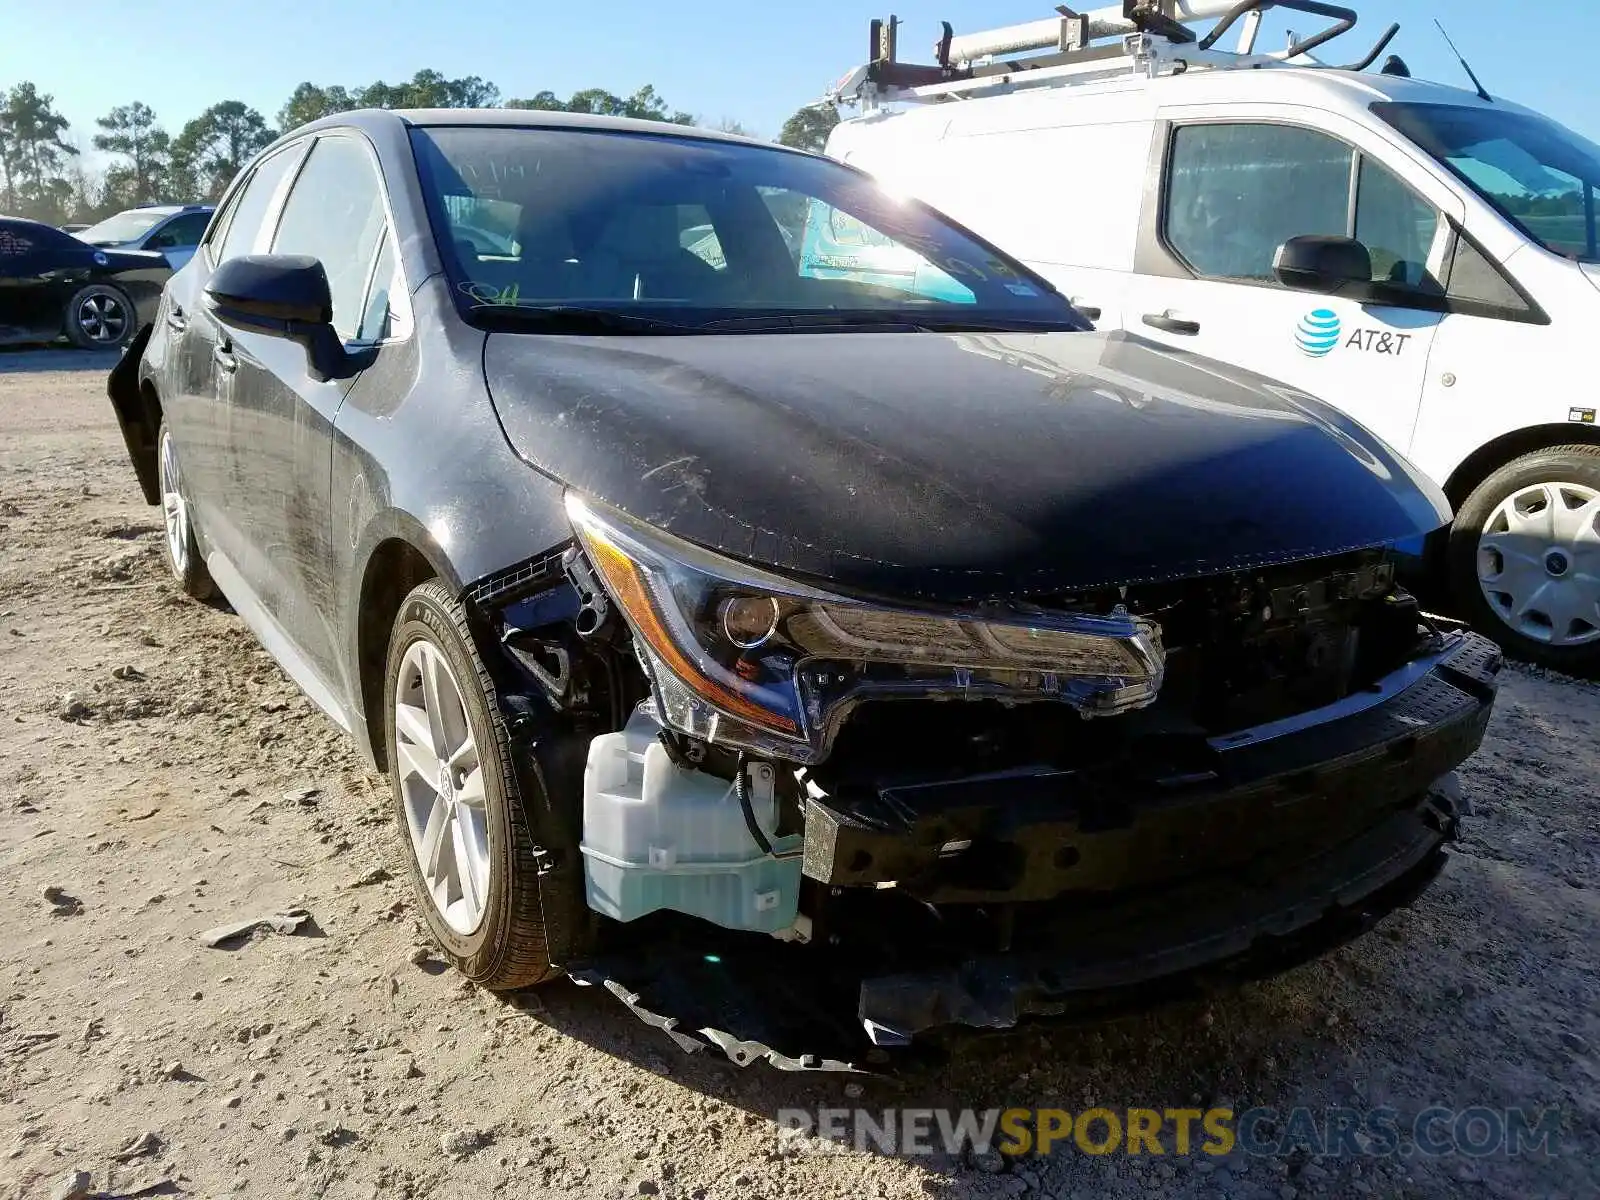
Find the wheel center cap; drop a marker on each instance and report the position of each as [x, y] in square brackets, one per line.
[447, 785]
[1557, 563]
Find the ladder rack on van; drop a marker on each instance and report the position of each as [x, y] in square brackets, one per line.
[1144, 37]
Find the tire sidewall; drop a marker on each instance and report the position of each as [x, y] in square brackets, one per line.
[1565, 464]
[74, 331]
[424, 616]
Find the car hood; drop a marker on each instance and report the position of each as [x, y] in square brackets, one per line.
[954, 467]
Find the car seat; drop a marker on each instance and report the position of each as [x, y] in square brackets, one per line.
[637, 256]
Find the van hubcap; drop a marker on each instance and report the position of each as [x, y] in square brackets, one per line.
[442, 787]
[1539, 563]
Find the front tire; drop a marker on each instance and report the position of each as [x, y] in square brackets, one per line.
[100, 317]
[472, 855]
[1524, 557]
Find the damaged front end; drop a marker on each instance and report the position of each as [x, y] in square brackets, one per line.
[973, 814]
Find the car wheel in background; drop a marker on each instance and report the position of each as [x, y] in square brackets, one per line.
[183, 554]
[100, 317]
[473, 858]
[1525, 557]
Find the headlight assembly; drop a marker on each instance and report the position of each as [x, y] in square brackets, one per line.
[743, 657]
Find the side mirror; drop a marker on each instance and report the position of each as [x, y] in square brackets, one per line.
[1322, 264]
[287, 296]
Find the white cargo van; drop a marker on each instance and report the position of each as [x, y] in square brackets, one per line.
[1423, 257]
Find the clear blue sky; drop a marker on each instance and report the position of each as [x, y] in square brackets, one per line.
[751, 60]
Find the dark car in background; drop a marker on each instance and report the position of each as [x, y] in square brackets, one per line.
[172, 229]
[674, 573]
[54, 285]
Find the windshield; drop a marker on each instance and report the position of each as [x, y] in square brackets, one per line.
[700, 234]
[1539, 174]
[124, 227]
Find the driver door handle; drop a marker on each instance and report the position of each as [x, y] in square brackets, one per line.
[222, 354]
[1170, 322]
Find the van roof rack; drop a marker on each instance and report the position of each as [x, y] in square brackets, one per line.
[1147, 37]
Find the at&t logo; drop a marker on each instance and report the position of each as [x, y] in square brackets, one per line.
[1318, 332]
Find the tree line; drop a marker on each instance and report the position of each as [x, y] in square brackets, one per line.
[43, 174]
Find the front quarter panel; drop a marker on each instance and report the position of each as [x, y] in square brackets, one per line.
[419, 456]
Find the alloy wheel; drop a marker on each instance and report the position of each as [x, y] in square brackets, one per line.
[174, 509]
[1539, 563]
[103, 318]
[442, 786]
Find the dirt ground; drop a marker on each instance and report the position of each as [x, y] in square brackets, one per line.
[156, 776]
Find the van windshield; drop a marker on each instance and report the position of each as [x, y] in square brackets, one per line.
[654, 233]
[1538, 173]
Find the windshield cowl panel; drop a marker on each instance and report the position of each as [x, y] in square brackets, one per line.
[618, 232]
[1535, 172]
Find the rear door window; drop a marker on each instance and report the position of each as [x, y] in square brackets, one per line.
[255, 204]
[698, 236]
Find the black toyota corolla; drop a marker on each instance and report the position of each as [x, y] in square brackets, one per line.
[709, 542]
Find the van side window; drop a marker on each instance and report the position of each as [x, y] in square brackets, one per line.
[1397, 226]
[1237, 191]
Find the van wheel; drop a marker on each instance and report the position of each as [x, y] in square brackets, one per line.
[473, 856]
[1525, 557]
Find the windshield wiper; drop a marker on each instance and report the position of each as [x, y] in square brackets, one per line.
[766, 322]
[567, 318]
[886, 322]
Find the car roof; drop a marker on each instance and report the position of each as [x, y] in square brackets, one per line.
[373, 119]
